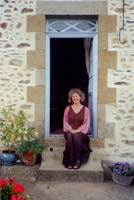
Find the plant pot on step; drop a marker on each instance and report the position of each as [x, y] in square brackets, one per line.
[8, 157]
[29, 158]
[122, 180]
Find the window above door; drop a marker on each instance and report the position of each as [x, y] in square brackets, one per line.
[72, 26]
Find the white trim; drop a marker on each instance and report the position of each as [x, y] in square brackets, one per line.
[95, 83]
[95, 73]
[47, 89]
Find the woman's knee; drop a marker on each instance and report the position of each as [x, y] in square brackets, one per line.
[68, 136]
[77, 137]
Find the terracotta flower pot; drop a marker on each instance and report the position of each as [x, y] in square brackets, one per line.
[29, 158]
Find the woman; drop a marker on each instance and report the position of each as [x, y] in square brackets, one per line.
[76, 123]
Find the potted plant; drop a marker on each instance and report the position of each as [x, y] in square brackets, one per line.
[29, 150]
[122, 173]
[14, 130]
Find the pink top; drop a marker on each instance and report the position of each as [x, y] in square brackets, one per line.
[83, 128]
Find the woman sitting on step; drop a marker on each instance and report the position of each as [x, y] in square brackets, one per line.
[76, 123]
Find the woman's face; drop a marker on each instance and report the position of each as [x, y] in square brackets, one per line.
[76, 98]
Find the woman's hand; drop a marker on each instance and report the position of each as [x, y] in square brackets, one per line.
[73, 131]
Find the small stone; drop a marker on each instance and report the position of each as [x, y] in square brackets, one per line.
[6, 1]
[26, 10]
[15, 62]
[7, 11]
[3, 25]
[8, 46]
[21, 45]
[18, 25]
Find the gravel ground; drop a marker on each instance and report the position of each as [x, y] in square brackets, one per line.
[38, 190]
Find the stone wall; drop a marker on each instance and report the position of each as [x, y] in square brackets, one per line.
[121, 113]
[15, 76]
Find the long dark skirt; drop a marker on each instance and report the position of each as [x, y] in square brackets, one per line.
[77, 148]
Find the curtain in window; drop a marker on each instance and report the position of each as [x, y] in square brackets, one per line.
[87, 43]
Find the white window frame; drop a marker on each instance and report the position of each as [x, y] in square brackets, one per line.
[94, 36]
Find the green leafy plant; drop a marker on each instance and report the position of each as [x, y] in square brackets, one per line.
[30, 146]
[14, 128]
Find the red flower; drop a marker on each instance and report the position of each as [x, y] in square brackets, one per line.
[11, 181]
[14, 197]
[3, 183]
[18, 188]
[20, 198]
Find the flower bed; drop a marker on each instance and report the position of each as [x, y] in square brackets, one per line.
[11, 190]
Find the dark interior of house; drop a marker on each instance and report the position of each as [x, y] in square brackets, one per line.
[68, 70]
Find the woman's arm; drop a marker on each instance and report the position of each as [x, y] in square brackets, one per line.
[66, 126]
[86, 123]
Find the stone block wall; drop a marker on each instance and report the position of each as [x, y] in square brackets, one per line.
[121, 78]
[15, 75]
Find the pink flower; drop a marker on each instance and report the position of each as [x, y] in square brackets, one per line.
[3, 183]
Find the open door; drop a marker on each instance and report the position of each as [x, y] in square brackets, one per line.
[63, 75]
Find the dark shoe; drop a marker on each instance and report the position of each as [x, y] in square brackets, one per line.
[77, 165]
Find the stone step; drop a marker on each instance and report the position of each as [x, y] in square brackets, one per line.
[52, 171]
[59, 141]
[51, 168]
[57, 155]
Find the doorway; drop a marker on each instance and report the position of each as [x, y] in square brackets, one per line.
[71, 61]
[67, 70]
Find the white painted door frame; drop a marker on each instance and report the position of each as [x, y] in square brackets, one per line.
[95, 75]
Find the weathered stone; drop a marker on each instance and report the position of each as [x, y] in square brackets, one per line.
[18, 25]
[39, 112]
[6, 1]
[25, 106]
[103, 41]
[25, 82]
[107, 59]
[3, 25]
[8, 46]
[121, 83]
[97, 143]
[102, 78]
[119, 10]
[15, 62]
[40, 77]
[106, 95]
[107, 23]
[26, 10]
[36, 23]
[36, 94]
[71, 7]
[130, 142]
[7, 11]
[36, 59]
[101, 116]
[40, 40]
[106, 130]
[21, 45]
